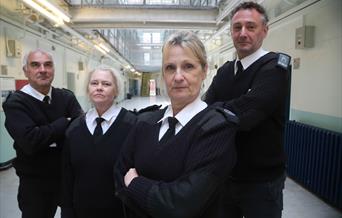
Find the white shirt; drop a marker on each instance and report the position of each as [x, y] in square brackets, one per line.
[28, 89]
[109, 117]
[250, 59]
[183, 116]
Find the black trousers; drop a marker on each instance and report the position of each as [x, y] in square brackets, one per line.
[253, 200]
[38, 198]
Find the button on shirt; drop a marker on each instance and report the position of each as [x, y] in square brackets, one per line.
[183, 116]
[28, 89]
[109, 117]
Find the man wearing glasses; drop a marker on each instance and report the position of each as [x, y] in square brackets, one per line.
[36, 118]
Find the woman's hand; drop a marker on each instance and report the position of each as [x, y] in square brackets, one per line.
[130, 175]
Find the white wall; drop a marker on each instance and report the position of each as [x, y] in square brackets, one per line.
[316, 84]
[66, 59]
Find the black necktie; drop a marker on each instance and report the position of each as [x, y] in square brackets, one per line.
[46, 99]
[98, 129]
[239, 68]
[171, 131]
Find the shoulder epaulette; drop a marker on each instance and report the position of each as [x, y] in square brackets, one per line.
[9, 94]
[151, 116]
[74, 124]
[130, 117]
[230, 116]
[13, 95]
[216, 117]
[67, 90]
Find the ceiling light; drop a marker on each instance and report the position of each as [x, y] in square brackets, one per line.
[104, 47]
[47, 14]
[54, 9]
[100, 49]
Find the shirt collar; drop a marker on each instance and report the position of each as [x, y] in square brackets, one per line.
[28, 89]
[187, 113]
[250, 59]
[111, 113]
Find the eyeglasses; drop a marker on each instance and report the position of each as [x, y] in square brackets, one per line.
[37, 65]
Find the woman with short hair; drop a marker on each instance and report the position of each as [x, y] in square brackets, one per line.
[93, 143]
[177, 158]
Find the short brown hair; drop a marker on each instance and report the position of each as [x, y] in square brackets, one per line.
[249, 6]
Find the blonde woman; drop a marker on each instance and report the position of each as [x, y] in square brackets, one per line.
[177, 158]
[93, 143]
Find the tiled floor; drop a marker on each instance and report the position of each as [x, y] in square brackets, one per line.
[298, 203]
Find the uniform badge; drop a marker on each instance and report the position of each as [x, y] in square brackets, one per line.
[283, 60]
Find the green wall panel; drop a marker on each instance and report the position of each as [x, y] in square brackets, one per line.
[318, 120]
[7, 152]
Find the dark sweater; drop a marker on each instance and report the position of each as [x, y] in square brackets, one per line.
[34, 126]
[257, 96]
[88, 167]
[182, 177]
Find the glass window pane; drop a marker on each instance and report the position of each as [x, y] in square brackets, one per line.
[155, 37]
[147, 38]
[147, 58]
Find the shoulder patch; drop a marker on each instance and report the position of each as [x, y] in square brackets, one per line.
[283, 60]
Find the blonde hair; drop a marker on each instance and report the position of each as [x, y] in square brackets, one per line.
[115, 75]
[188, 39]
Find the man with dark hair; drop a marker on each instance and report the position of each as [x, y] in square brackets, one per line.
[36, 118]
[255, 88]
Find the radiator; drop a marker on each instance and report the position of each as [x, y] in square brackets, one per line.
[314, 159]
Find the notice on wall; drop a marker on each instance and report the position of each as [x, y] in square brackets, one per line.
[7, 85]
